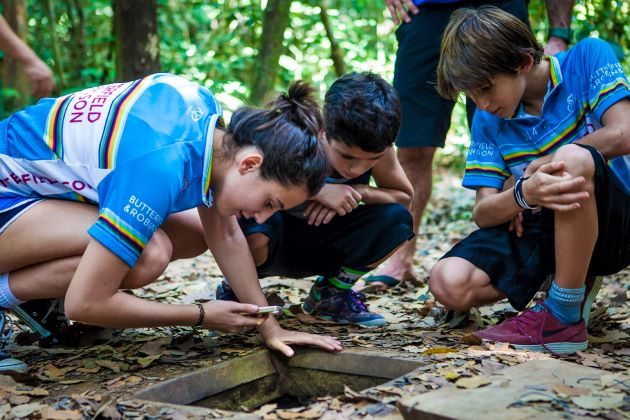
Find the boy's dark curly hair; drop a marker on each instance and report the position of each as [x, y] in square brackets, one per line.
[362, 110]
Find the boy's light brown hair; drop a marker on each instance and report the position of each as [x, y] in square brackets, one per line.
[478, 45]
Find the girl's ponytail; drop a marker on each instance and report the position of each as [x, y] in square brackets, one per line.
[286, 133]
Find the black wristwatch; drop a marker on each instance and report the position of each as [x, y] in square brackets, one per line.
[562, 33]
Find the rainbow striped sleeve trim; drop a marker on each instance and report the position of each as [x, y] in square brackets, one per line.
[487, 170]
[127, 235]
[54, 125]
[608, 90]
[115, 121]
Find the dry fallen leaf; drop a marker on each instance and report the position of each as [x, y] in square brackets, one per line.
[599, 402]
[568, 390]
[472, 383]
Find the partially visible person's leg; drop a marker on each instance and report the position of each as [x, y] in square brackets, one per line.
[417, 163]
[426, 118]
[43, 247]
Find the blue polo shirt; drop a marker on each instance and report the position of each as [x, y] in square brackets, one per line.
[140, 150]
[585, 81]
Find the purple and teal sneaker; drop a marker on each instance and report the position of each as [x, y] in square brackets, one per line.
[328, 302]
[225, 292]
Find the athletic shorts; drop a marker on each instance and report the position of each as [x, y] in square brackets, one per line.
[518, 266]
[13, 207]
[364, 237]
[426, 116]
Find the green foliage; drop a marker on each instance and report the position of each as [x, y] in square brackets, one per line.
[215, 43]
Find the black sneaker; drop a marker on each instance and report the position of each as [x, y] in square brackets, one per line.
[8, 363]
[44, 316]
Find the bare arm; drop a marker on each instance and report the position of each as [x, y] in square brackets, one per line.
[40, 75]
[613, 138]
[392, 185]
[550, 186]
[229, 248]
[93, 297]
[559, 13]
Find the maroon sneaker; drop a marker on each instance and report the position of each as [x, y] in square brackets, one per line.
[537, 329]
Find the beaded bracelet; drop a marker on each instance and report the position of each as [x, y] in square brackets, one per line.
[518, 195]
[202, 315]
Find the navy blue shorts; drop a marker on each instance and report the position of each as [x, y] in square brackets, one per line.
[13, 207]
[518, 266]
[426, 116]
[365, 236]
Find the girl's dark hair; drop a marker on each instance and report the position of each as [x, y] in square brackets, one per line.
[286, 132]
[362, 110]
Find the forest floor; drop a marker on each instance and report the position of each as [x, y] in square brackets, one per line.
[99, 377]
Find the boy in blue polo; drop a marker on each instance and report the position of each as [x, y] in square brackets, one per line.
[559, 126]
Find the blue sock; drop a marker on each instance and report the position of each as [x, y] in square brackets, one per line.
[565, 304]
[7, 298]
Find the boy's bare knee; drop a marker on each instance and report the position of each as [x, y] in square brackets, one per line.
[450, 285]
[259, 247]
[578, 160]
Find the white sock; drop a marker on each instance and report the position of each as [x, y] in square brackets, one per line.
[7, 298]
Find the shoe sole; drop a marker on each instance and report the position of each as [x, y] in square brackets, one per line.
[590, 299]
[32, 323]
[310, 311]
[373, 323]
[557, 348]
[12, 365]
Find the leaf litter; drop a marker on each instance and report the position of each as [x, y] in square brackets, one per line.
[100, 377]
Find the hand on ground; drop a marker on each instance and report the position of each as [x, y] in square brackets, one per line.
[280, 339]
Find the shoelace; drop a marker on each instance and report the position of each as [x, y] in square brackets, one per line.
[356, 301]
[527, 317]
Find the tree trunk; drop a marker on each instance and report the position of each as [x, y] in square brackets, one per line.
[336, 53]
[137, 42]
[13, 76]
[78, 33]
[52, 23]
[275, 21]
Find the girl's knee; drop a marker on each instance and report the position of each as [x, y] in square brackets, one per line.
[152, 262]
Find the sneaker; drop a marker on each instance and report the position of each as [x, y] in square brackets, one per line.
[225, 292]
[593, 284]
[537, 329]
[45, 317]
[8, 363]
[328, 302]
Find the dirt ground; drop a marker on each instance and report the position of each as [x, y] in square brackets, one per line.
[98, 377]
